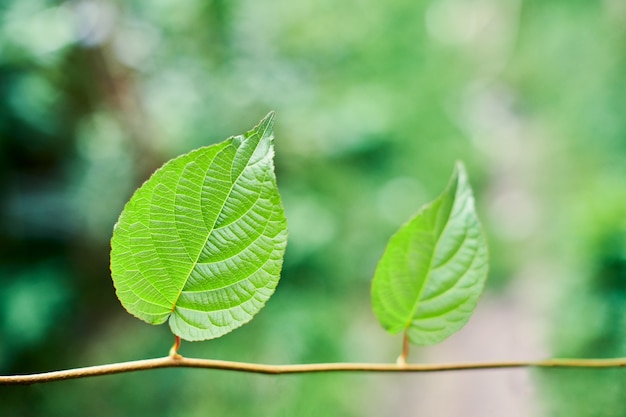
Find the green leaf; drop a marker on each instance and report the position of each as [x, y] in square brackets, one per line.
[202, 241]
[434, 268]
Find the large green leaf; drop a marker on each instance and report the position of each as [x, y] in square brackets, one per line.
[434, 268]
[202, 241]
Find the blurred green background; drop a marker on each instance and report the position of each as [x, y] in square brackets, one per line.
[375, 101]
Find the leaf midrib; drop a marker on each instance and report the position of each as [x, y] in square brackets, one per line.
[417, 302]
[195, 262]
[230, 257]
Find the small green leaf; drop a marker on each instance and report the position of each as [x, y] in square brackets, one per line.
[434, 268]
[201, 243]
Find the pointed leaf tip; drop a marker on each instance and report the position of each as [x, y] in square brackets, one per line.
[433, 270]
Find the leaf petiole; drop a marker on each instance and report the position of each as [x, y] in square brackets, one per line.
[401, 361]
[174, 350]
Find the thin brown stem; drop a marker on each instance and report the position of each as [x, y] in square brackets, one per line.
[181, 362]
[174, 350]
[406, 345]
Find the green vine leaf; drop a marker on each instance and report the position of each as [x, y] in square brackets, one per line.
[201, 242]
[433, 270]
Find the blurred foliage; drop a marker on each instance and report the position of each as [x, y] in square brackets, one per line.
[375, 102]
